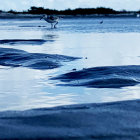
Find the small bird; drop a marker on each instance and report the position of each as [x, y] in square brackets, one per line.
[51, 19]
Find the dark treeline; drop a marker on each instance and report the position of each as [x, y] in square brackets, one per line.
[78, 11]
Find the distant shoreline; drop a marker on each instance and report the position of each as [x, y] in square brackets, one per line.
[17, 16]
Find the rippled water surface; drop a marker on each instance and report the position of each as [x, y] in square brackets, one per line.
[113, 43]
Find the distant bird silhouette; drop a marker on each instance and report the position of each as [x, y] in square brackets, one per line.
[101, 22]
[51, 19]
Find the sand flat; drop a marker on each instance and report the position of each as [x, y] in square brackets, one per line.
[116, 120]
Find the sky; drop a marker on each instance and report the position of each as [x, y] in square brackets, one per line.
[21, 5]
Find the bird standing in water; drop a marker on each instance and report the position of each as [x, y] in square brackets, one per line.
[51, 19]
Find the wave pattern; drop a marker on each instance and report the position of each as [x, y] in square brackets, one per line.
[18, 58]
[103, 77]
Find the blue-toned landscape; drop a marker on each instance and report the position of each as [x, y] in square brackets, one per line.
[80, 80]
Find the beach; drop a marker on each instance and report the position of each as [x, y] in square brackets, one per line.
[114, 121]
[78, 81]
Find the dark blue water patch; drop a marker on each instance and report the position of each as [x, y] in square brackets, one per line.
[28, 26]
[18, 58]
[102, 77]
[24, 41]
[105, 121]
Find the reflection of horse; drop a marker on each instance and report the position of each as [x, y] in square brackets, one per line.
[51, 20]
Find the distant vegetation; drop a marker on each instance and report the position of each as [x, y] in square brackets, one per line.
[78, 11]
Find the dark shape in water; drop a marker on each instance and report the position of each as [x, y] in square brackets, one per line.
[102, 77]
[31, 26]
[24, 41]
[18, 58]
[101, 22]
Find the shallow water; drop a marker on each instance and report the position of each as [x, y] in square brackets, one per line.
[113, 43]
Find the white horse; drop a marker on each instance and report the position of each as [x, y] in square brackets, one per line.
[51, 19]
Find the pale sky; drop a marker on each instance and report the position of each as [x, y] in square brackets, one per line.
[20, 5]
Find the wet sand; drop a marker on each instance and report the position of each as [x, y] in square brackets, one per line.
[102, 77]
[19, 58]
[106, 121]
